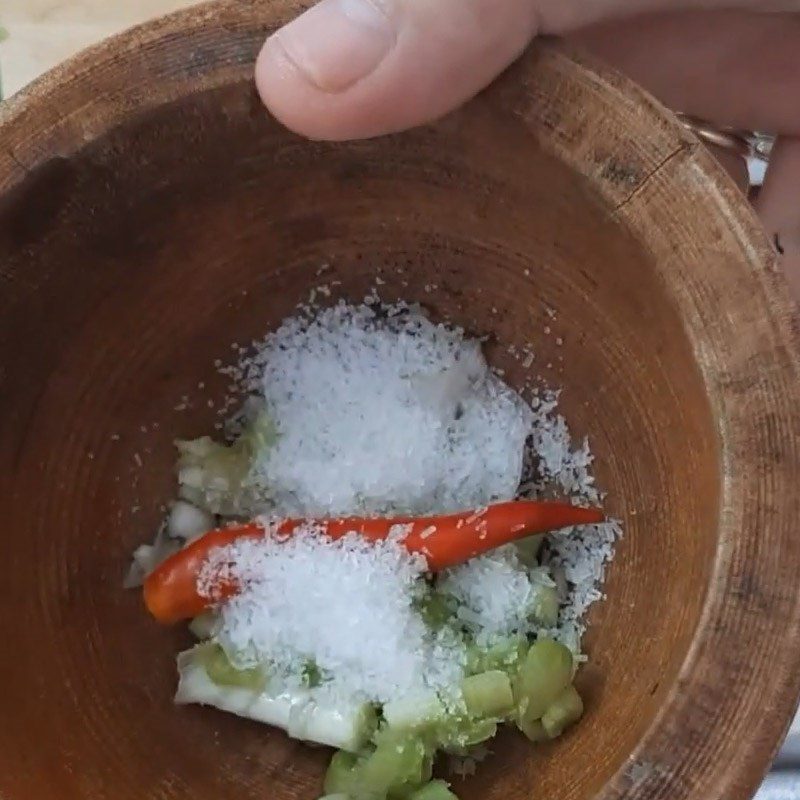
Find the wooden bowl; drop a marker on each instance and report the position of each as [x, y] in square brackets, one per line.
[152, 214]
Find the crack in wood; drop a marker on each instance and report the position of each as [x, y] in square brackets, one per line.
[688, 148]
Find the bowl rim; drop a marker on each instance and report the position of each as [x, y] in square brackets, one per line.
[747, 350]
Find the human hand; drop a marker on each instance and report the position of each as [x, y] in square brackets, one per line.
[356, 68]
[736, 68]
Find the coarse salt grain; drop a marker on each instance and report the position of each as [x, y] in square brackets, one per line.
[348, 605]
[495, 594]
[379, 412]
[451, 436]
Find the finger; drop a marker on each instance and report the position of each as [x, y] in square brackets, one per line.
[734, 165]
[778, 205]
[559, 16]
[358, 68]
[733, 68]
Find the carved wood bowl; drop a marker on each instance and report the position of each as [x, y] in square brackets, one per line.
[152, 214]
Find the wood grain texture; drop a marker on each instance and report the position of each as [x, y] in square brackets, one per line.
[151, 214]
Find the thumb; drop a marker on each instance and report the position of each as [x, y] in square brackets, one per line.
[349, 69]
[358, 68]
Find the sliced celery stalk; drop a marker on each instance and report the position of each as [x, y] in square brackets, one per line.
[543, 675]
[399, 764]
[298, 712]
[435, 790]
[566, 710]
[532, 728]
[461, 734]
[529, 547]
[545, 605]
[340, 774]
[414, 712]
[219, 668]
[478, 732]
[505, 654]
[488, 694]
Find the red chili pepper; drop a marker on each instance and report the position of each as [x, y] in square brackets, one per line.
[171, 594]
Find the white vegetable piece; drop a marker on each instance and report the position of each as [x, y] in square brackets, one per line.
[193, 477]
[198, 448]
[298, 712]
[187, 521]
[205, 625]
[147, 557]
[144, 556]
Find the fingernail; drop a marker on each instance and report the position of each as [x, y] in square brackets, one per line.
[337, 43]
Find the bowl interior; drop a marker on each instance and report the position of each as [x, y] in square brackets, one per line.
[152, 252]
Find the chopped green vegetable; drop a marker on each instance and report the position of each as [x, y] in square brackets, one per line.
[337, 796]
[436, 609]
[219, 668]
[416, 712]
[505, 654]
[488, 694]
[532, 728]
[543, 675]
[545, 605]
[259, 435]
[312, 674]
[528, 548]
[339, 777]
[566, 710]
[212, 475]
[435, 790]
[398, 765]
[460, 734]
[479, 731]
[216, 477]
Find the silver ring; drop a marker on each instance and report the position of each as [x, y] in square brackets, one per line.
[747, 144]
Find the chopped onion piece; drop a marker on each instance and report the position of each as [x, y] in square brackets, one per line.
[302, 715]
[147, 557]
[187, 521]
